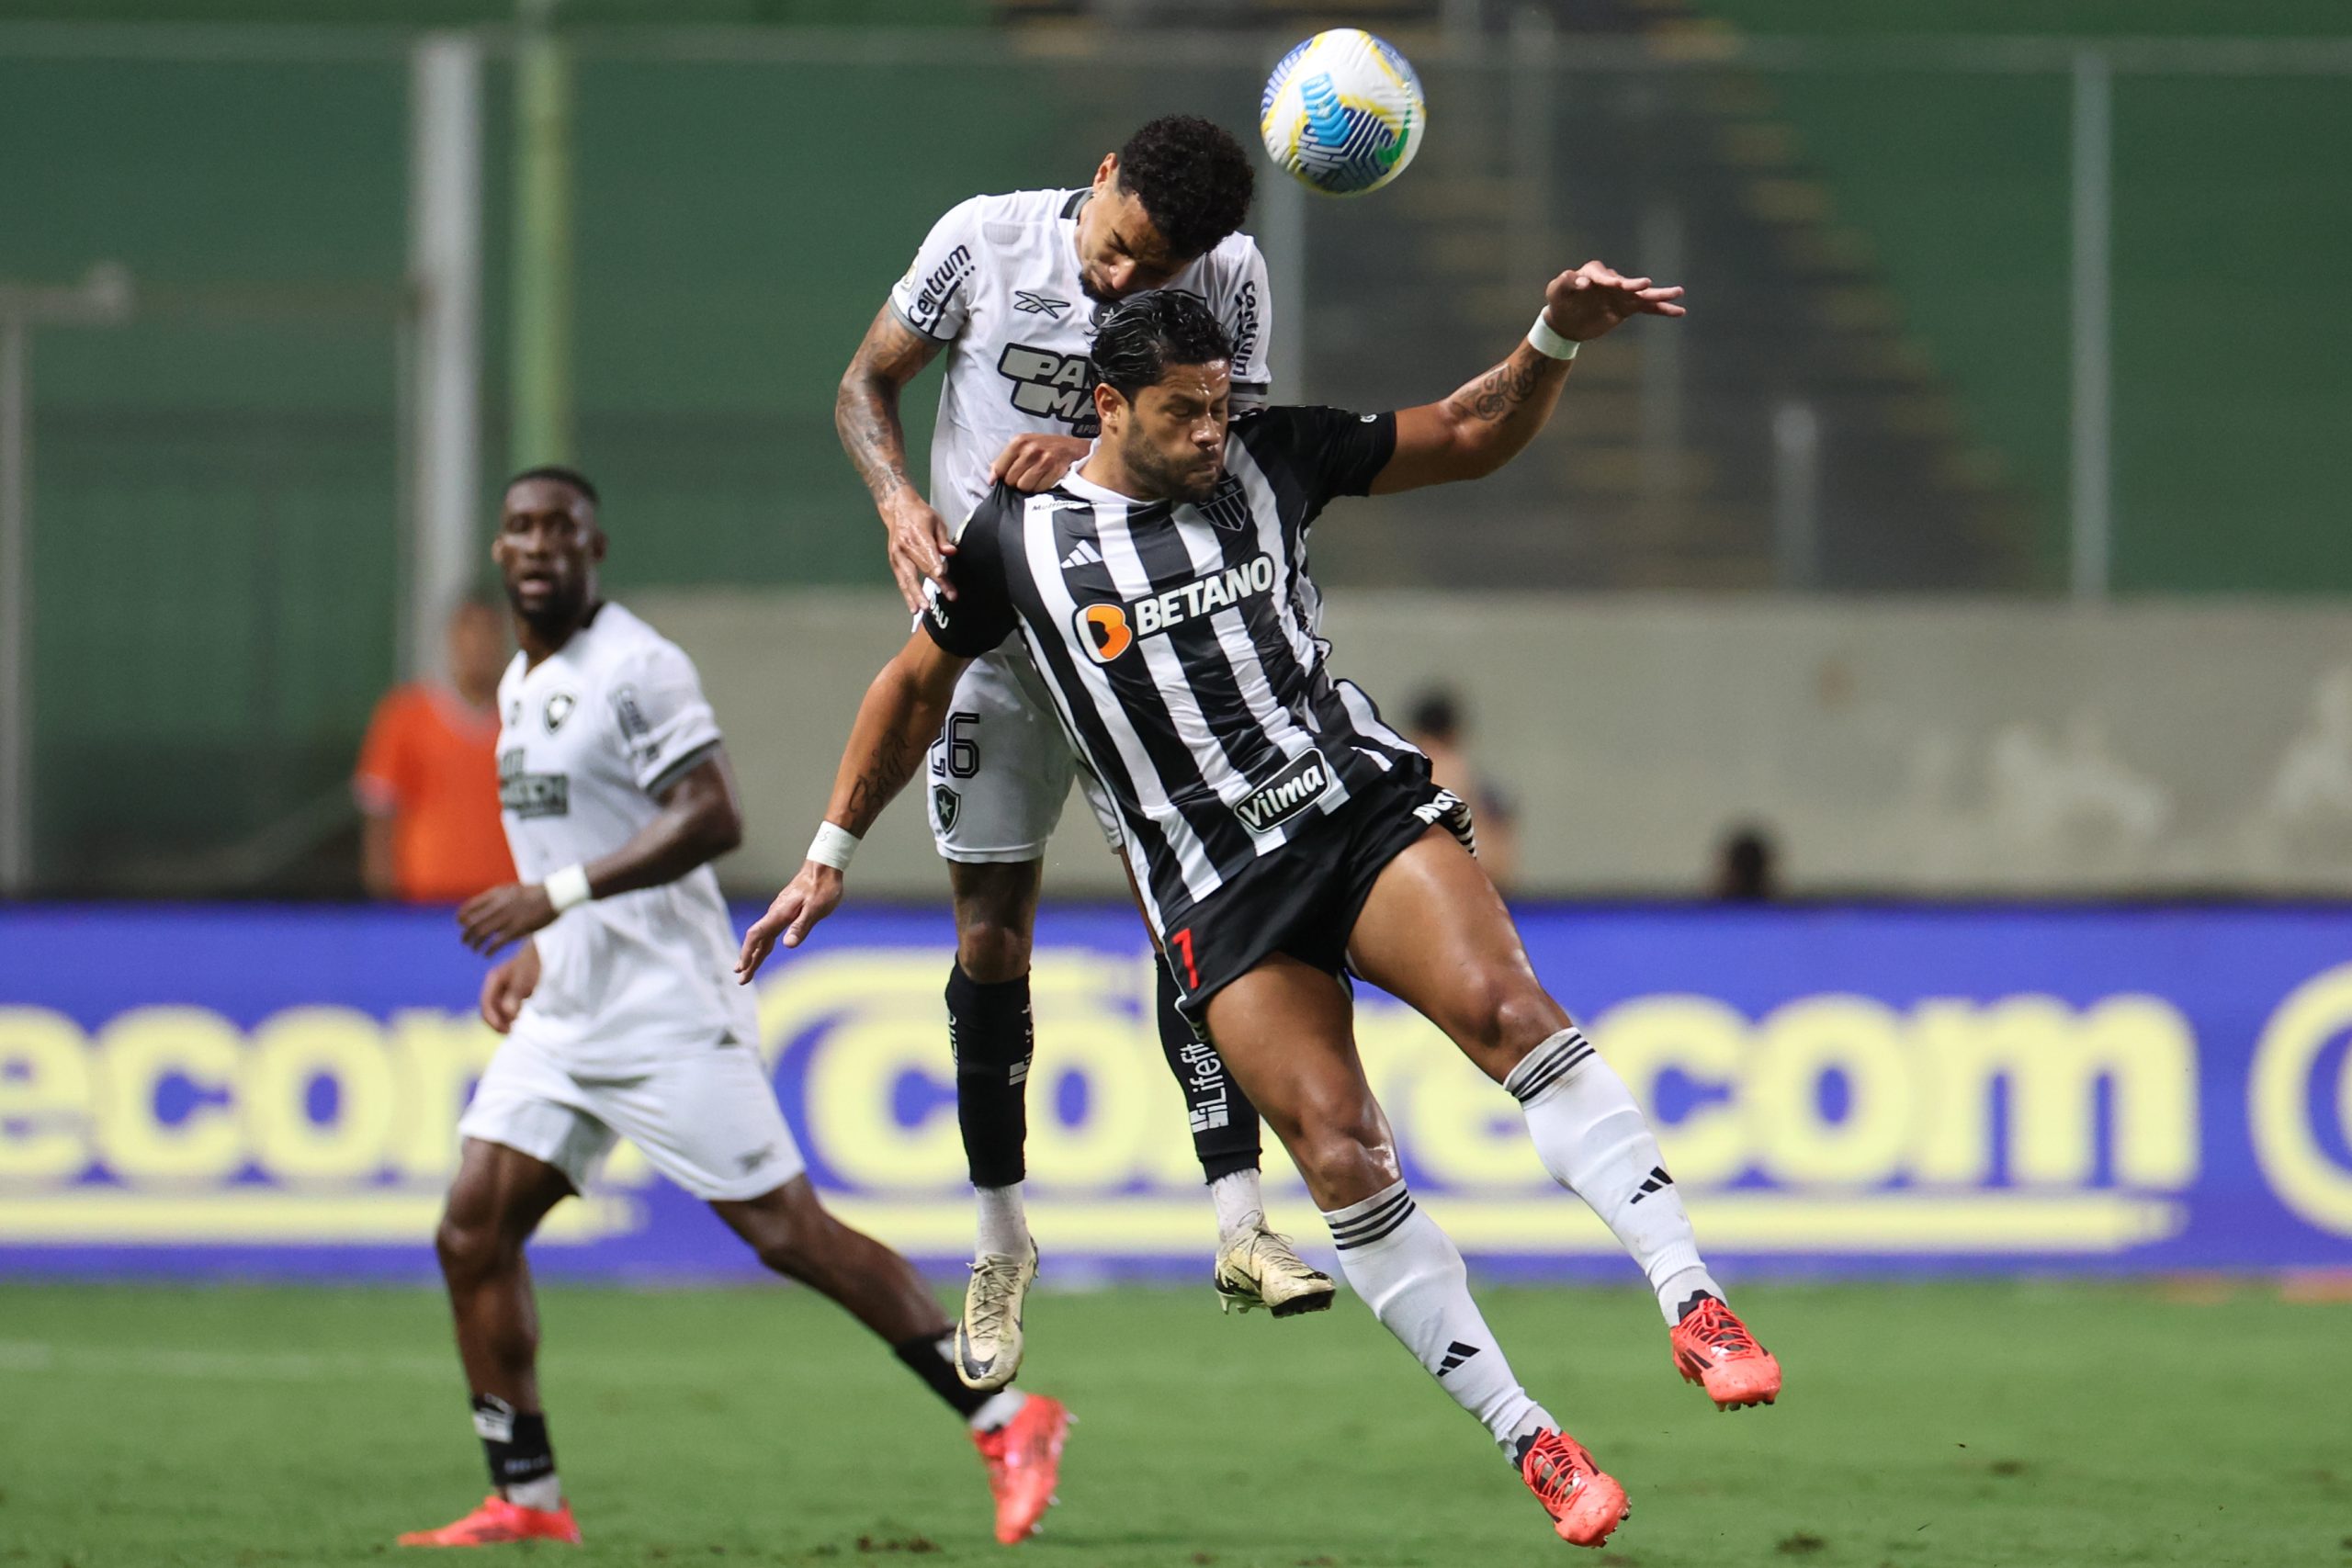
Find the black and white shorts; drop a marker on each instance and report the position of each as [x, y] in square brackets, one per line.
[1303, 899]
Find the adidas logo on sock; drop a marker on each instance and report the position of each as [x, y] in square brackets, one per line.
[1652, 1182]
[1085, 555]
[1456, 1354]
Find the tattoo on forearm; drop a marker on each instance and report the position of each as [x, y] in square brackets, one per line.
[870, 435]
[1502, 389]
[894, 762]
[865, 410]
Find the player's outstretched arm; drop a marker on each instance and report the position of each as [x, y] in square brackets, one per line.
[902, 712]
[866, 414]
[1487, 422]
[700, 819]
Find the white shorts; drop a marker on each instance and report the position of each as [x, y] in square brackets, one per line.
[1002, 767]
[706, 1117]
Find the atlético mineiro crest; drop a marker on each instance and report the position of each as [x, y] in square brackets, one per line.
[945, 804]
[559, 708]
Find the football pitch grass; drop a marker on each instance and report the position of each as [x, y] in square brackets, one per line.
[1930, 1427]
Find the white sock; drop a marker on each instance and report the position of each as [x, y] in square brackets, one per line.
[543, 1492]
[1002, 1406]
[1241, 1203]
[1595, 1142]
[1410, 1275]
[1004, 1226]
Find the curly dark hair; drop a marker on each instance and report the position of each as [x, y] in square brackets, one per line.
[1192, 178]
[1137, 339]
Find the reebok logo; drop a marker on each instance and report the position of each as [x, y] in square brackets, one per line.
[1029, 302]
[1289, 792]
[1655, 1181]
[1456, 1354]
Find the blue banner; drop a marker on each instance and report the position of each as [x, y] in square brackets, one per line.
[274, 1092]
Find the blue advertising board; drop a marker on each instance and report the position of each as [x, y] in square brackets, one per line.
[273, 1091]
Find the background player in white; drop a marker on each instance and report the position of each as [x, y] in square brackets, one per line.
[621, 1021]
[1285, 834]
[1008, 287]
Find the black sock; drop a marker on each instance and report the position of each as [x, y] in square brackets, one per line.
[1691, 1303]
[1225, 1124]
[930, 1359]
[514, 1441]
[988, 1027]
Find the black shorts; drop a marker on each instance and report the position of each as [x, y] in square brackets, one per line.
[1304, 899]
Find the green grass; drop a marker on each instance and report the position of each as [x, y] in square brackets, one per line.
[1930, 1427]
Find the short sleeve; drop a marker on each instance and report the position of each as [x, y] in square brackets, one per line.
[1247, 312]
[379, 781]
[981, 615]
[935, 295]
[1326, 452]
[664, 721]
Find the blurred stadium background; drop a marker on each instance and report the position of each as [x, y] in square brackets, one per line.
[1978, 546]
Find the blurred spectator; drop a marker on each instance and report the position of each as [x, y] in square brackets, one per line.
[1435, 724]
[1747, 866]
[427, 780]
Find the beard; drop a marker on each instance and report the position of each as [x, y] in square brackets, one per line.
[554, 614]
[1186, 483]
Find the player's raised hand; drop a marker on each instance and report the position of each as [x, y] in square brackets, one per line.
[508, 986]
[506, 914]
[919, 547]
[806, 900]
[1033, 460]
[1596, 298]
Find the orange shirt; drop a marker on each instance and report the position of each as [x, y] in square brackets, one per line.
[430, 764]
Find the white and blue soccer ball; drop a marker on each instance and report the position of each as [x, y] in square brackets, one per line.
[1343, 112]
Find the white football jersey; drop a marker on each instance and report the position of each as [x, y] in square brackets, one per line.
[997, 281]
[587, 743]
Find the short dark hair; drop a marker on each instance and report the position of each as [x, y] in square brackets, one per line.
[560, 474]
[1137, 339]
[1436, 713]
[1192, 178]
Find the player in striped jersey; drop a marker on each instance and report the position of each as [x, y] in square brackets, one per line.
[1284, 833]
[1004, 292]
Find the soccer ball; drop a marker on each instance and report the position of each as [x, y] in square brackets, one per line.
[1343, 113]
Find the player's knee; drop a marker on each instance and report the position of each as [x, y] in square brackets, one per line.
[992, 951]
[1503, 1015]
[471, 1249]
[1344, 1155]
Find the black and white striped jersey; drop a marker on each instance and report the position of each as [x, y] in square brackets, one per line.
[1180, 646]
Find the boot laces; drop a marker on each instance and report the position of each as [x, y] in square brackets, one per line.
[992, 1304]
[1555, 1470]
[1712, 1324]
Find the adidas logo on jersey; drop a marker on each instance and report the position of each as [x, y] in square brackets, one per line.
[1085, 555]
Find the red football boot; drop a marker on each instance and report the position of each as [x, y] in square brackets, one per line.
[1714, 1349]
[498, 1521]
[1584, 1504]
[1025, 1460]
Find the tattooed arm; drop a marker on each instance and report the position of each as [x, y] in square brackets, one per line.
[902, 711]
[865, 414]
[1486, 423]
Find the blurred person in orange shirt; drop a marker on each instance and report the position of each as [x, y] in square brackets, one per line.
[427, 780]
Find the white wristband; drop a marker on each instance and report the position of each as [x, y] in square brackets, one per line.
[833, 846]
[1551, 344]
[568, 887]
